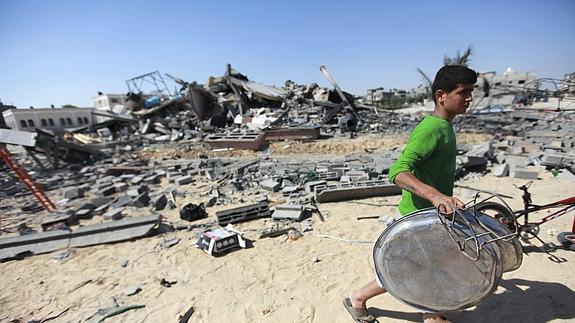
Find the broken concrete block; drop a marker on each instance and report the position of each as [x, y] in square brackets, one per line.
[109, 190]
[73, 192]
[501, 170]
[471, 161]
[339, 170]
[481, 150]
[141, 200]
[160, 202]
[114, 214]
[183, 180]
[101, 209]
[212, 201]
[120, 187]
[355, 190]
[105, 180]
[309, 186]
[286, 211]
[288, 190]
[152, 179]
[173, 175]
[270, 185]
[58, 221]
[357, 176]
[500, 157]
[210, 174]
[566, 175]
[557, 144]
[243, 213]
[99, 201]
[127, 177]
[553, 159]
[84, 213]
[345, 179]
[136, 180]
[122, 201]
[136, 190]
[524, 173]
[518, 150]
[39, 243]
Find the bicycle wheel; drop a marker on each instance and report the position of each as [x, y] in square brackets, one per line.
[497, 211]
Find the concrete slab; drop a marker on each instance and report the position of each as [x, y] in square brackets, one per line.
[17, 137]
[243, 213]
[270, 185]
[524, 173]
[289, 212]
[310, 186]
[500, 170]
[355, 190]
[44, 242]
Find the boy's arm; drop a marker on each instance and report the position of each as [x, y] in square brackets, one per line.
[444, 203]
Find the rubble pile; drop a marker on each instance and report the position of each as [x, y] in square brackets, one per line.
[96, 174]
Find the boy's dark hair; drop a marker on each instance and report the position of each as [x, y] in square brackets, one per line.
[450, 76]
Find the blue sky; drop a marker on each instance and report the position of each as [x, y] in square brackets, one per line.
[63, 52]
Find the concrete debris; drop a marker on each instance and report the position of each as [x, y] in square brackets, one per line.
[501, 170]
[243, 213]
[219, 241]
[524, 173]
[289, 212]
[355, 190]
[192, 212]
[162, 151]
[130, 228]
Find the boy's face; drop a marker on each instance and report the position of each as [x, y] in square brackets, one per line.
[458, 100]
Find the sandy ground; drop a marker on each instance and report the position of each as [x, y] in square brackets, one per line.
[278, 280]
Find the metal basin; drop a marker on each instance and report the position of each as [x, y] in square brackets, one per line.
[419, 263]
[511, 250]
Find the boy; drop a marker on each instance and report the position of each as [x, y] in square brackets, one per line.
[425, 169]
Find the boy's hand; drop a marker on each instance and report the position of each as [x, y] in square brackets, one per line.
[447, 204]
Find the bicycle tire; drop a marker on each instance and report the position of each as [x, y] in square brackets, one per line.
[498, 211]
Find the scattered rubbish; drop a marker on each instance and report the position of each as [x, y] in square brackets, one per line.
[191, 212]
[219, 241]
[47, 319]
[165, 244]
[276, 230]
[342, 239]
[186, 317]
[102, 314]
[167, 283]
[132, 290]
[294, 234]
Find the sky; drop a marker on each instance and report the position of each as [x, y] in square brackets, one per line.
[63, 52]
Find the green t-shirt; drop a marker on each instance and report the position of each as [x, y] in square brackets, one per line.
[430, 155]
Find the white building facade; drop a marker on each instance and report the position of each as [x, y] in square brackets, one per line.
[52, 119]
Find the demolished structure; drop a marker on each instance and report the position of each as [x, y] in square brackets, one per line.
[113, 167]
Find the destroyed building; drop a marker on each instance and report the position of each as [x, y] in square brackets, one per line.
[56, 119]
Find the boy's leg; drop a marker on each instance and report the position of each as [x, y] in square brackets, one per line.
[434, 318]
[360, 297]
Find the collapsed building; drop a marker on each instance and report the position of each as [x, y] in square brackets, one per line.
[97, 169]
